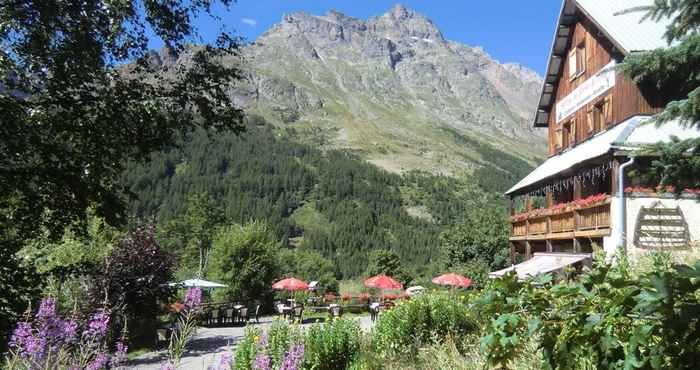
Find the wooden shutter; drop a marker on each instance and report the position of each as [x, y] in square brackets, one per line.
[572, 133]
[607, 110]
[572, 63]
[589, 119]
[557, 139]
[581, 55]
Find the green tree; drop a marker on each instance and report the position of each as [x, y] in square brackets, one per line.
[245, 258]
[674, 72]
[80, 95]
[387, 263]
[192, 232]
[133, 283]
[308, 265]
[483, 235]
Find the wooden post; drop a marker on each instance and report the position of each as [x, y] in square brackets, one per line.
[550, 198]
[550, 248]
[577, 246]
[511, 208]
[512, 253]
[613, 177]
[528, 250]
[528, 203]
[577, 189]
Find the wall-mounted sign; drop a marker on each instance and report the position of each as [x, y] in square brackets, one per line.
[590, 89]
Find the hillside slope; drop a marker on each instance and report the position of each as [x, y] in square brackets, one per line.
[392, 89]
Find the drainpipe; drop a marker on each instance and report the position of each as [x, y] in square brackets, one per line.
[620, 237]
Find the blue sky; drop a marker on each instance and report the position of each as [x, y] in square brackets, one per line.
[510, 30]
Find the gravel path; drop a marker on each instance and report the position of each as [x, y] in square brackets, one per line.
[208, 344]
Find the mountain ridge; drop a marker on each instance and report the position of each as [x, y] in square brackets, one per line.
[390, 88]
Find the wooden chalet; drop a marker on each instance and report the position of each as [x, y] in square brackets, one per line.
[595, 119]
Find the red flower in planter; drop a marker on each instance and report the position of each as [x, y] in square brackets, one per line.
[364, 297]
[345, 297]
[329, 297]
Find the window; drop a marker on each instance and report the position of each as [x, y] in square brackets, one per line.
[600, 115]
[568, 134]
[577, 60]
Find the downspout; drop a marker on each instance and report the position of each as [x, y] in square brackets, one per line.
[621, 217]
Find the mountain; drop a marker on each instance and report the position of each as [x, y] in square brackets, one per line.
[392, 89]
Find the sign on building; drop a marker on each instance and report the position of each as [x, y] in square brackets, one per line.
[586, 92]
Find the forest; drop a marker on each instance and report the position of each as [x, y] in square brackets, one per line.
[328, 201]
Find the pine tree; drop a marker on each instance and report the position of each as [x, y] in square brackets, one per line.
[675, 72]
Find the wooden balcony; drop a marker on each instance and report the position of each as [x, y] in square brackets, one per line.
[585, 222]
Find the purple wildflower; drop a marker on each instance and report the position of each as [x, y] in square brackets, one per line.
[47, 309]
[69, 329]
[262, 343]
[168, 365]
[262, 362]
[293, 358]
[193, 298]
[97, 326]
[23, 339]
[99, 362]
[225, 361]
[119, 357]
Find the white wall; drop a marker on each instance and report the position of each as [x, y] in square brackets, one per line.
[689, 206]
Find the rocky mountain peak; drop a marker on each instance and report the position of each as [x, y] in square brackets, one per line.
[392, 88]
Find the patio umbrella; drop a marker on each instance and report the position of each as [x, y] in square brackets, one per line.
[383, 282]
[291, 284]
[453, 280]
[414, 290]
[197, 283]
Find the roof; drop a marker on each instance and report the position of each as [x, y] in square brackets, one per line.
[628, 135]
[595, 147]
[650, 133]
[542, 263]
[625, 31]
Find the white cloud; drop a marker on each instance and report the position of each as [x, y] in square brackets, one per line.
[249, 21]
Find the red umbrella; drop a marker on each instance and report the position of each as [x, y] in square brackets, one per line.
[452, 279]
[290, 284]
[383, 282]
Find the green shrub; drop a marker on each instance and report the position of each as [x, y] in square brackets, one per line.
[333, 345]
[247, 349]
[279, 338]
[425, 319]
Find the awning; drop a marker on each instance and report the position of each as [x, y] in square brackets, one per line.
[542, 263]
[589, 149]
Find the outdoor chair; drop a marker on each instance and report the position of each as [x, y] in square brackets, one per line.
[230, 315]
[162, 337]
[297, 313]
[243, 315]
[214, 317]
[374, 311]
[336, 311]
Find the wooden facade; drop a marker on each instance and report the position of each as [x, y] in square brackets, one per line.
[575, 229]
[623, 101]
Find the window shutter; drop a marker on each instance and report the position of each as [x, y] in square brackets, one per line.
[607, 110]
[572, 134]
[572, 63]
[558, 140]
[589, 119]
[581, 53]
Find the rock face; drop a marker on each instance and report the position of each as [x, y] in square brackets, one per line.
[392, 88]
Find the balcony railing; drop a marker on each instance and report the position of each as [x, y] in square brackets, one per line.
[592, 220]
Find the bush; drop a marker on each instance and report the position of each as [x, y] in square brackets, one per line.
[245, 258]
[133, 282]
[333, 345]
[425, 319]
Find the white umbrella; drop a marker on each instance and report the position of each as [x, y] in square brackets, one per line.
[198, 283]
[414, 290]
